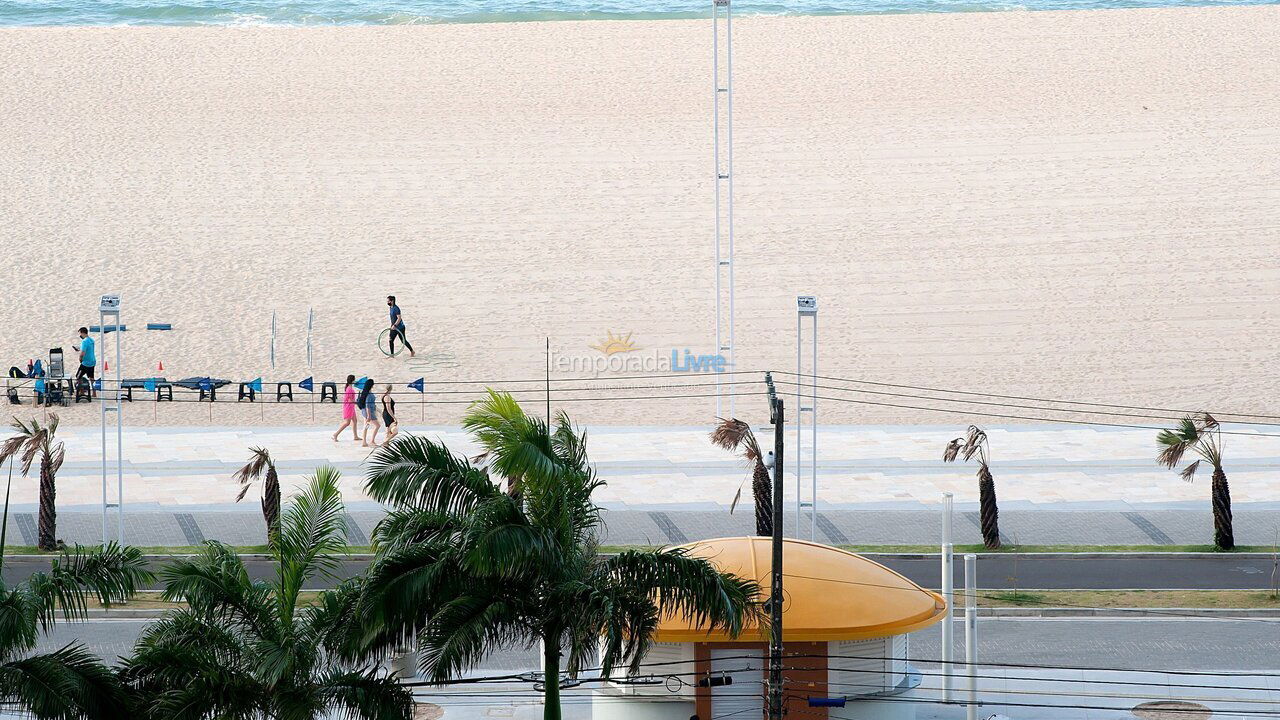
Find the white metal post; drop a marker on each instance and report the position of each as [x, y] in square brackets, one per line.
[721, 13]
[273, 339]
[971, 631]
[948, 595]
[310, 320]
[109, 307]
[807, 411]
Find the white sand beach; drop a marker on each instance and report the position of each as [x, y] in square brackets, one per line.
[1062, 204]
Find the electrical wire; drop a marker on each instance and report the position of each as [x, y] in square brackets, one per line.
[803, 385]
[1009, 416]
[1020, 397]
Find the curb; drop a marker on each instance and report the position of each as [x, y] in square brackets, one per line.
[1165, 613]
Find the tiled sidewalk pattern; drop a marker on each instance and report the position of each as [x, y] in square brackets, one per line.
[877, 484]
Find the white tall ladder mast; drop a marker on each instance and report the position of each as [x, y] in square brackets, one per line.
[722, 76]
[807, 411]
[109, 402]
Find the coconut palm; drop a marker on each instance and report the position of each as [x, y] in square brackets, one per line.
[465, 568]
[246, 649]
[262, 467]
[1202, 435]
[70, 683]
[732, 434]
[34, 440]
[974, 443]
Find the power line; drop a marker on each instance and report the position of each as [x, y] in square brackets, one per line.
[1009, 416]
[1021, 397]
[997, 404]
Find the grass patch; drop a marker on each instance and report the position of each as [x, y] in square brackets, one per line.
[1019, 598]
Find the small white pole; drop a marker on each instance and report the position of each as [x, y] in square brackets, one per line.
[971, 630]
[310, 321]
[119, 431]
[273, 339]
[949, 595]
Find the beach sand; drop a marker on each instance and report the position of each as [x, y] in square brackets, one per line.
[1081, 205]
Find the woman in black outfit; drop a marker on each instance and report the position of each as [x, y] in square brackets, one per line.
[389, 415]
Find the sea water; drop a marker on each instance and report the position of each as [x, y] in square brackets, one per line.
[389, 12]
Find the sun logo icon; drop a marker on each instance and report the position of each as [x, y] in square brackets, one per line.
[614, 344]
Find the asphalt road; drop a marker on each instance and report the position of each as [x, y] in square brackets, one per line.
[1121, 643]
[995, 572]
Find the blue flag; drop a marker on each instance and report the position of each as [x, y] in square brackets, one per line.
[256, 385]
[149, 384]
[307, 385]
[360, 382]
[417, 384]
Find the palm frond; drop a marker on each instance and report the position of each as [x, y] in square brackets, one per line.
[366, 695]
[952, 450]
[687, 587]
[69, 683]
[216, 584]
[1189, 472]
[414, 472]
[733, 433]
[312, 534]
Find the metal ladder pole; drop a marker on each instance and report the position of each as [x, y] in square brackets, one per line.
[722, 23]
[109, 307]
[807, 308]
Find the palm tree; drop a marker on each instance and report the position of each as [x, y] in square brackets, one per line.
[261, 466]
[465, 568]
[35, 440]
[70, 683]
[1202, 435]
[247, 649]
[732, 434]
[975, 443]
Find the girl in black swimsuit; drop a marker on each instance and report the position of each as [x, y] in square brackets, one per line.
[389, 415]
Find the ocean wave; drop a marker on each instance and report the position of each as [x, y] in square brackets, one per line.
[404, 12]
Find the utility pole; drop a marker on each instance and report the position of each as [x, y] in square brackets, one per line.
[777, 415]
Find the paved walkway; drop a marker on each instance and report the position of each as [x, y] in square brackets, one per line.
[876, 485]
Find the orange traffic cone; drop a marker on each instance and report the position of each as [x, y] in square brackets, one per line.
[104, 365]
[160, 366]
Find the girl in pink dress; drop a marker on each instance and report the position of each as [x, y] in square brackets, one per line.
[349, 410]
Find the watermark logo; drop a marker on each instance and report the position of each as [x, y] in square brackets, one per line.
[619, 353]
[614, 344]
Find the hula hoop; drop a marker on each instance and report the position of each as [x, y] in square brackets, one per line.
[384, 344]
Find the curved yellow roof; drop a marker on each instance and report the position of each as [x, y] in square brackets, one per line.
[829, 594]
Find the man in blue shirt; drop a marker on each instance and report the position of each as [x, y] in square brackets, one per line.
[397, 326]
[88, 360]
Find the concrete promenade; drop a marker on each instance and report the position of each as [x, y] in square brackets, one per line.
[1056, 484]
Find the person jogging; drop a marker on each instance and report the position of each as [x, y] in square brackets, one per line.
[397, 326]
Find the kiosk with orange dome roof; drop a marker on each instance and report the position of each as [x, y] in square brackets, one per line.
[845, 627]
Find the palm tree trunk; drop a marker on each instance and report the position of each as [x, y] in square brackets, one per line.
[762, 489]
[988, 511]
[1223, 535]
[48, 528]
[551, 676]
[271, 505]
